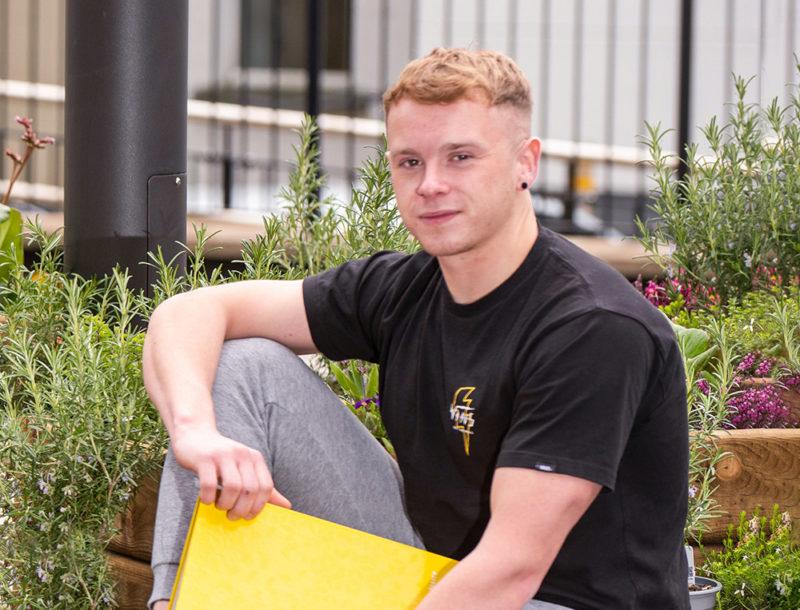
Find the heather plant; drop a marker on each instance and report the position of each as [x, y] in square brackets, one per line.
[762, 329]
[759, 566]
[735, 212]
[689, 295]
[759, 407]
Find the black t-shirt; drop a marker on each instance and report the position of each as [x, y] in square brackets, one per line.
[563, 368]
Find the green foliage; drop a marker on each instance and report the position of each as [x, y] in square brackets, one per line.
[759, 568]
[762, 321]
[707, 358]
[312, 235]
[695, 351]
[714, 344]
[77, 432]
[358, 388]
[11, 250]
[734, 215]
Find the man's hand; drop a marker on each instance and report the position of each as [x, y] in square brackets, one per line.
[246, 483]
[179, 361]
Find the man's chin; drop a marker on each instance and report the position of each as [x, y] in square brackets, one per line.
[439, 250]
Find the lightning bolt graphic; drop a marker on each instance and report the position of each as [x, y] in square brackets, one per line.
[461, 414]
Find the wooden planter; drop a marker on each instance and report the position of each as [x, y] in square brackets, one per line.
[762, 470]
[129, 552]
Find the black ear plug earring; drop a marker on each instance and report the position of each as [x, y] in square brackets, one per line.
[524, 186]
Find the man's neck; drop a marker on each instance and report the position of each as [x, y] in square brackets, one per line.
[473, 275]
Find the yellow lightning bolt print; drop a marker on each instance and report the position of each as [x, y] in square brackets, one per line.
[461, 414]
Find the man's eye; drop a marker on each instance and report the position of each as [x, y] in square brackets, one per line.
[410, 163]
[461, 156]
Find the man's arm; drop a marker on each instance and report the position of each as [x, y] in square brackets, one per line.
[532, 513]
[181, 352]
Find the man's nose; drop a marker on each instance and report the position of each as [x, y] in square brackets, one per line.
[433, 183]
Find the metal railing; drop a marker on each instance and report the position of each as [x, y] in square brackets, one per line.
[599, 70]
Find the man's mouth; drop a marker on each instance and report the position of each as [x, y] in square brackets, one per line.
[438, 217]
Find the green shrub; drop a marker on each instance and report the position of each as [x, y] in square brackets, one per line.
[77, 431]
[759, 568]
[731, 223]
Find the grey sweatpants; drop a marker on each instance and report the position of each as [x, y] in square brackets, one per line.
[320, 456]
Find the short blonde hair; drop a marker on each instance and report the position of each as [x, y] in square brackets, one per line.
[448, 75]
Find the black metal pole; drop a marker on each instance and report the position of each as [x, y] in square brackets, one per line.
[125, 134]
[685, 89]
[315, 8]
[314, 55]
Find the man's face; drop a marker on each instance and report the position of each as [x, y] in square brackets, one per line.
[457, 170]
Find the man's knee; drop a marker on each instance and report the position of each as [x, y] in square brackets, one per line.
[244, 354]
[247, 363]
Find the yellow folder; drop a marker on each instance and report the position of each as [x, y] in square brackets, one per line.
[283, 559]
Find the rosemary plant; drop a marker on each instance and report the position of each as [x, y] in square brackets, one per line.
[735, 213]
[77, 431]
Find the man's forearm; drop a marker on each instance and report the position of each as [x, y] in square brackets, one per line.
[485, 580]
[532, 513]
[179, 358]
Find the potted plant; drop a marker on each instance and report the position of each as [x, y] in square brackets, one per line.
[759, 564]
[703, 593]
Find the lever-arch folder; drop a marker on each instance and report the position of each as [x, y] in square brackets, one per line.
[284, 559]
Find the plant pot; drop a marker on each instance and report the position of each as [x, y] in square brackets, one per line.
[705, 599]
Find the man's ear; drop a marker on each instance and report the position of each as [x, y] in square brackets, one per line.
[528, 159]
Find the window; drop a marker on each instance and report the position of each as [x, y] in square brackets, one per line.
[274, 34]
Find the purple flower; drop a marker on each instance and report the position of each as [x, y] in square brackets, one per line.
[43, 486]
[367, 401]
[760, 407]
[756, 365]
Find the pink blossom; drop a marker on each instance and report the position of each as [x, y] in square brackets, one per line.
[26, 123]
[14, 156]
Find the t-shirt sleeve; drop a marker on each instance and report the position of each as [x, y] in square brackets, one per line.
[345, 305]
[581, 389]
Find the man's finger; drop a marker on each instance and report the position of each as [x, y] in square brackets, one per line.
[248, 493]
[278, 499]
[208, 480]
[231, 485]
[265, 486]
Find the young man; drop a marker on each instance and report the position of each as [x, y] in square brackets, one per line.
[536, 402]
